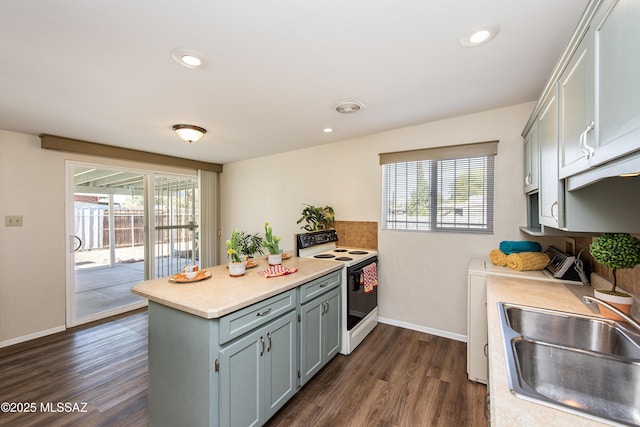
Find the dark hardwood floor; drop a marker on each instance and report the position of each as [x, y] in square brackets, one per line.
[397, 377]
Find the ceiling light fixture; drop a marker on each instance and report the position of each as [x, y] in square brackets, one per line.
[189, 133]
[348, 106]
[480, 35]
[327, 130]
[189, 58]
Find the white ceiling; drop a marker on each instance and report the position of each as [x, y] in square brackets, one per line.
[102, 71]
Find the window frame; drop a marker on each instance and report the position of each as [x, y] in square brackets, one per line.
[438, 162]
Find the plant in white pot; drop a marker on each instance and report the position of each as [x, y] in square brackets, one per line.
[270, 242]
[237, 266]
[616, 251]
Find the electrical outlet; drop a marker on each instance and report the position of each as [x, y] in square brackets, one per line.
[13, 221]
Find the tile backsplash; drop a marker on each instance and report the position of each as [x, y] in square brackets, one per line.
[357, 234]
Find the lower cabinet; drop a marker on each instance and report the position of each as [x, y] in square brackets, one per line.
[319, 333]
[258, 373]
[238, 370]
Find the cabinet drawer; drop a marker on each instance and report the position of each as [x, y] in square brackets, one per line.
[239, 322]
[316, 287]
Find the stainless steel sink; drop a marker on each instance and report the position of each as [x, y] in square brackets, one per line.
[573, 330]
[581, 364]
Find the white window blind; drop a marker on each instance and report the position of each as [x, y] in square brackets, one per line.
[451, 192]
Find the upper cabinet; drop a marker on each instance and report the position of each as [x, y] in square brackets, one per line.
[600, 90]
[586, 127]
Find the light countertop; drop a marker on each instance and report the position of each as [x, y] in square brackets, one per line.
[506, 408]
[222, 294]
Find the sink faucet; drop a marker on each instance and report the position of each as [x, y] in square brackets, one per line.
[588, 300]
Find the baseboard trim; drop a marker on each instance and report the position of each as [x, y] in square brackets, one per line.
[32, 336]
[437, 332]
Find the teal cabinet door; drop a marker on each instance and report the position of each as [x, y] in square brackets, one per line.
[241, 369]
[551, 207]
[281, 367]
[617, 38]
[311, 358]
[320, 335]
[531, 159]
[577, 108]
[332, 319]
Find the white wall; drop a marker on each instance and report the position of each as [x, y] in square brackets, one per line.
[422, 275]
[33, 257]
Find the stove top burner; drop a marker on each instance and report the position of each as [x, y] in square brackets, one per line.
[339, 250]
[324, 256]
[344, 258]
[358, 252]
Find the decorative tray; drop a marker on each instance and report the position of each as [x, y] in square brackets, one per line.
[181, 278]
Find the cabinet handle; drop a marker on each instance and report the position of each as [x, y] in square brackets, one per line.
[262, 341]
[263, 313]
[322, 309]
[327, 306]
[590, 150]
[527, 180]
[584, 147]
[269, 336]
[324, 285]
[555, 217]
[486, 349]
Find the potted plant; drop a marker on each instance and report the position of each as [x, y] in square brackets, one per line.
[237, 266]
[317, 218]
[250, 244]
[616, 251]
[270, 242]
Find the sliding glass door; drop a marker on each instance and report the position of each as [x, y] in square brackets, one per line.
[109, 210]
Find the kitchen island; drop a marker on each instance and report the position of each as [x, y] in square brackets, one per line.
[228, 351]
[506, 408]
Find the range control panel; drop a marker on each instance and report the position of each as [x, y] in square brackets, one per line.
[314, 238]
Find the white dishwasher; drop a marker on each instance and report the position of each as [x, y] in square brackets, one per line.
[477, 340]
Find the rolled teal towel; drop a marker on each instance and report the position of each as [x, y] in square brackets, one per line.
[509, 247]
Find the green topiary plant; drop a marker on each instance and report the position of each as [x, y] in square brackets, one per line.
[616, 251]
[317, 218]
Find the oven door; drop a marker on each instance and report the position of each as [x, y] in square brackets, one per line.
[359, 303]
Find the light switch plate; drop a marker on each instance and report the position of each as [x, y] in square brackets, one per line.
[13, 221]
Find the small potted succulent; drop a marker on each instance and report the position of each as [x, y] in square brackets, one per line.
[237, 266]
[616, 251]
[317, 218]
[270, 242]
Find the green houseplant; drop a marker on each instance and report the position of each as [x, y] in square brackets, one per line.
[616, 251]
[250, 244]
[317, 218]
[270, 242]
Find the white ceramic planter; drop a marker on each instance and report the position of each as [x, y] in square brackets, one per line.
[620, 302]
[237, 269]
[275, 259]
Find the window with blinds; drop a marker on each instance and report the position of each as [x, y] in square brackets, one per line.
[439, 193]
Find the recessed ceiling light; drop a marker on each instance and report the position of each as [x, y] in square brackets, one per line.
[327, 130]
[348, 106]
[189, 58]
[480, 35]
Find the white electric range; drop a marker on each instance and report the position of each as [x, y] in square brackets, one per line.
[359, 307]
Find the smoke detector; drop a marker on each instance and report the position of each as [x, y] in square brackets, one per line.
[348, 106]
